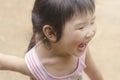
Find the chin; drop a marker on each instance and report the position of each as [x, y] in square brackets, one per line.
[78, 54]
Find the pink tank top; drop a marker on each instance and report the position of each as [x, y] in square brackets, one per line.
[40, 73]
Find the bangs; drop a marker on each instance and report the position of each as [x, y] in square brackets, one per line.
[85, 7]
[66, 9]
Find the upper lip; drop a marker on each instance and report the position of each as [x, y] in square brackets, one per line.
[86, 41]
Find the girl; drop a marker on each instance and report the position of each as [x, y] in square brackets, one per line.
[58, 50]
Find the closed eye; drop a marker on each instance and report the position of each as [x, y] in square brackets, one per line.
[92, 23]
[82, 27]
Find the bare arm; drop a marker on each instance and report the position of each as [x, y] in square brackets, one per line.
[91, 70]
[13, 63]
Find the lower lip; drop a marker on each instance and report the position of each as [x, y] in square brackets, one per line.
[82, 48]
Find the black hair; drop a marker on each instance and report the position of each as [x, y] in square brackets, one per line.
[55, 13]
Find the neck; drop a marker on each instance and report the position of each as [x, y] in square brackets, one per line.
[45, 52]
[55, 63]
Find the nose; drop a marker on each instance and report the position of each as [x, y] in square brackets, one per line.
[90, 34]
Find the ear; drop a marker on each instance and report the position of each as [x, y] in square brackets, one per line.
[49, 33]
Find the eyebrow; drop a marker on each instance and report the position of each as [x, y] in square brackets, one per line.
[82, 23]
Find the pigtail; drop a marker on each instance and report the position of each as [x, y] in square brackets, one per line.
[33, 38]
[36, 25]
[32, 42]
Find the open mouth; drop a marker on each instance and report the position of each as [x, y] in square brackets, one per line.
[82, 46]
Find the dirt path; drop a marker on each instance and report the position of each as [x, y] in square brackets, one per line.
[15, 31]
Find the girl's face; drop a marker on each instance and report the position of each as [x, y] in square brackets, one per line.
[77, 33]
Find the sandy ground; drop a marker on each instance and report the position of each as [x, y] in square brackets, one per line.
[15, 33]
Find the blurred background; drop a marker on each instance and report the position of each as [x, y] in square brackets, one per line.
[16, 30]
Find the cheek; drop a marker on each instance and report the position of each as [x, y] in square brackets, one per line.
[78, 36]
[76, 39]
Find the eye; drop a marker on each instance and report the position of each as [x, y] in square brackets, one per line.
[81, 27]
[92, 23]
